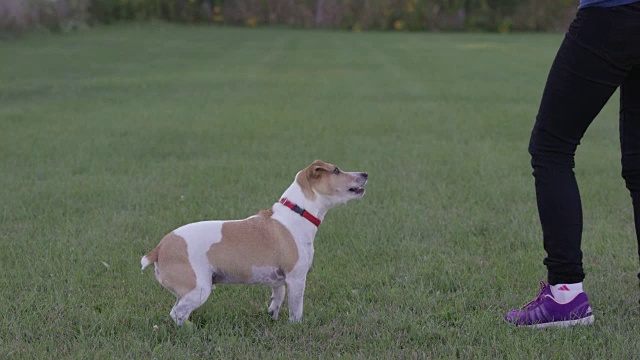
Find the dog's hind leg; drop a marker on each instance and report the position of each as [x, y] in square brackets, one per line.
[189, 302]
[277, 297]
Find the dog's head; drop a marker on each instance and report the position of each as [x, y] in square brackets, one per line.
[321, 179]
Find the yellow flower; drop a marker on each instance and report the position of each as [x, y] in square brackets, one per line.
[217, 9]
[398, 25]
[410, 8]
[252, 21]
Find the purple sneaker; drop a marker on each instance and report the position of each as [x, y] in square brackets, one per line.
[544, 311]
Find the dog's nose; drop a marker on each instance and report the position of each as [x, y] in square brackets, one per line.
[364, 175]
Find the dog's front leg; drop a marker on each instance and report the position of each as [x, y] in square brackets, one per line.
[295, 288]
[277, 296]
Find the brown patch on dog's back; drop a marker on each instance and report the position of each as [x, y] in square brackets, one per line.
[266, 213]
[257, 241]
[174, 269]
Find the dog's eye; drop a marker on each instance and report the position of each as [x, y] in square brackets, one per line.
[336, 171]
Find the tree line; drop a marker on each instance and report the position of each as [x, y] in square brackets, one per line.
[355, 15]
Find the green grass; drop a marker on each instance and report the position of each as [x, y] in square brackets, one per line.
[115, 136]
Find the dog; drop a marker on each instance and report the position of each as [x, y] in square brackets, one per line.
[273, 247]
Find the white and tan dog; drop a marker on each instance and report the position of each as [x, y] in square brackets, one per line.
[274, 247]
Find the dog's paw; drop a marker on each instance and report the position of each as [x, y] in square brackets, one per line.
[274, 312]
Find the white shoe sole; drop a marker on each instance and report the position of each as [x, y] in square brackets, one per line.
[584, 321]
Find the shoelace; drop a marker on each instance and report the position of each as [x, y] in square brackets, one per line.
[537, 299]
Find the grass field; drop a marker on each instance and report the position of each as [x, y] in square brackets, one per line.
[114, 136]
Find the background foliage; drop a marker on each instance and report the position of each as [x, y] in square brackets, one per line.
[356, 15]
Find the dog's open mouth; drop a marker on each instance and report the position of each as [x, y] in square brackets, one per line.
[357, 190]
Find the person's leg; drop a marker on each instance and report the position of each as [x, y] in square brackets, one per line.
[600, 49]
[580, 83]
[630, 140]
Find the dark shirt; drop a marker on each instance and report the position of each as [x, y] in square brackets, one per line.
[604, 3]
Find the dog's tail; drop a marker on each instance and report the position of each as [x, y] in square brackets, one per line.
[150, 258]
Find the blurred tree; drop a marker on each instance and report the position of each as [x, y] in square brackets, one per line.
[413, 15]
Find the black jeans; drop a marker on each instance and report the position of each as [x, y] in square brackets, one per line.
[600, 52]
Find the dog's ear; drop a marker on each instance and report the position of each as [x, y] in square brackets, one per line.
[318, 167]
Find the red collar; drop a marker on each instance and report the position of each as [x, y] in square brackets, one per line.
[300, 211]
